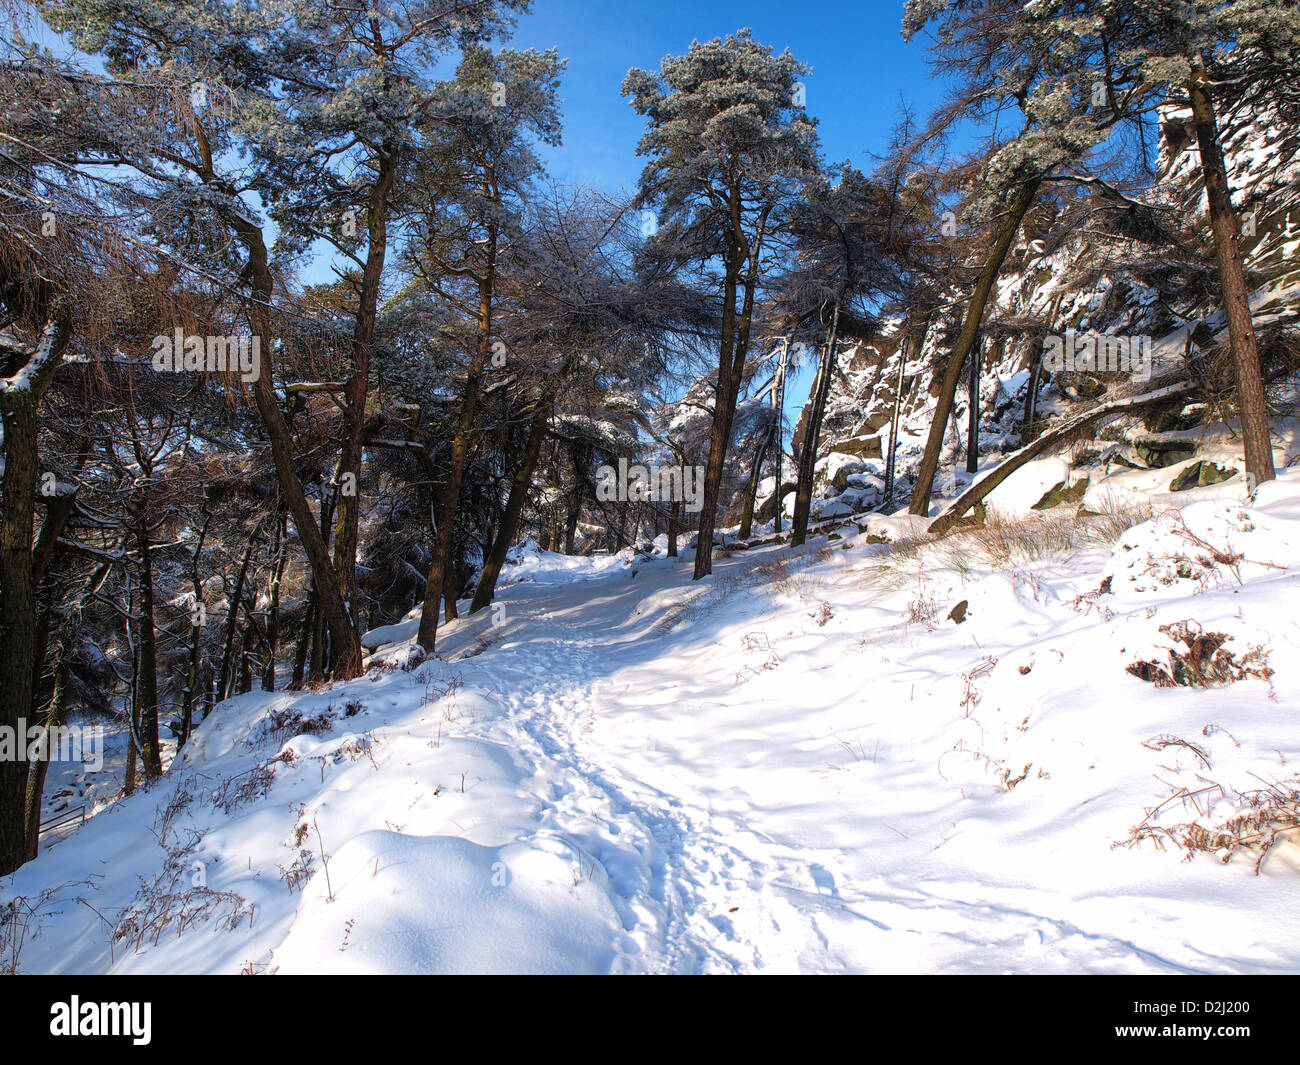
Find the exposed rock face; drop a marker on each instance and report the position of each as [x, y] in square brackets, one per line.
[1119, 287]
[863, 446]
[1063, 493]
[1158, 453]
[1199, 474]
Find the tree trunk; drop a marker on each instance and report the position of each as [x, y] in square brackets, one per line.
[38, 769]
[571, 523]
[191, 685]
[441, 561]
[133, 716]
[304, 642]
[450, 590]
[150, 752]
[978, 491]
[197, 621]
[808, 456]
[316, 663]
[725, 391]
[913, 345]
[244, 665]
[1031, 397]
[225, 675]
[273, 607]
[783, 367]
[357, 389]
[973, 425]
[773, 433]
[522, 481]
[751, 489]
[988, 276]
[1225, 228]
[20, 398]
[347, 644]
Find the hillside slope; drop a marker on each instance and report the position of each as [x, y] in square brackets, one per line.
[804, 763]
[1090, 282]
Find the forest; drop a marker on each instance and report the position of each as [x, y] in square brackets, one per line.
[315, 379]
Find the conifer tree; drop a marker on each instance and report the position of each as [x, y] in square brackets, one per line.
[729, 146]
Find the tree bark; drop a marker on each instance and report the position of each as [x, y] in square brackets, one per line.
[304, 642]
[197, 621]
[988, 276]
[39, 769]
[782, 369]
[348, 518]
[808, 456]
[913, 345]
[347, 643]
[733, 348]
[150, 751]
[20, 398]
[751, 489]
[1252, 404]
[440, 564]
[751, 496]
[226, 675]
[278, 564]
[973, 424]
[519, 485]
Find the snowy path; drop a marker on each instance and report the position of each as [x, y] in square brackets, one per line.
[787, 768]
[798, 820]
[680, 884]
[703, 881]
[702, 890]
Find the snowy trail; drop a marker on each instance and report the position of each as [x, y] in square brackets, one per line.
[691, 893]
[702, 890]
[796, 766]
[708, 879]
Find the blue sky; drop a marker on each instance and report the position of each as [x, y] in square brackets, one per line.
[863, 74]
[862, 70]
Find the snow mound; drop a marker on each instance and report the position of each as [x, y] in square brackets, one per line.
[1200, 547]
[406, 904]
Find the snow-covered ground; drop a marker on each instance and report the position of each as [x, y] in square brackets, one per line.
[803, 763]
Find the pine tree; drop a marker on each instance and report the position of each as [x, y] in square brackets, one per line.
[729, 146]
[471, 176]
[1242, 55]
[1008, 55]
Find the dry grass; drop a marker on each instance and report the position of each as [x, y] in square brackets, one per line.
[280, 726]
[175, 899]
[20, 921]
[1267, 816]
[1204, 662]
[786, 574]
[1002, 543]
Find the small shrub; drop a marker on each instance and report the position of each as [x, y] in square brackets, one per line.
[1265, 817]
[1204, 662]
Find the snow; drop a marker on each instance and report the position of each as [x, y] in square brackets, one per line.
[444, 905]
[802, 763]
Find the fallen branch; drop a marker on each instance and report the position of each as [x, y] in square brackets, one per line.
[980, 489]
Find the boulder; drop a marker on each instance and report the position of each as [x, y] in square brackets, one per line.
[1200, 474]
[1063, 493]
[866, 447]
[1158, 453]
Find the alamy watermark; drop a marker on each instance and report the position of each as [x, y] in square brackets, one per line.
[179, 353]
[1094, 352]
[651, 484]
[77, 1018]
[63, 743]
